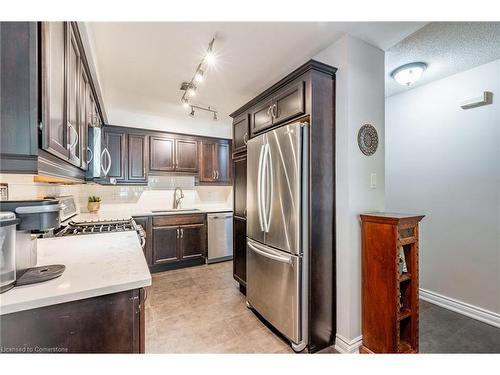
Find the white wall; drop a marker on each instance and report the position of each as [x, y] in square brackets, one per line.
[171, 117]
[359, 100]
[444, 162]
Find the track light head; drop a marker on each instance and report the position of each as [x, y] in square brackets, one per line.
[215, 116]
[185, 102]
[198, 77]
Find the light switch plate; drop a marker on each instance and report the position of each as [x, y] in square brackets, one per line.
[373, 181]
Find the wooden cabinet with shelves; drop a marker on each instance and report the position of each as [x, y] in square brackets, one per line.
[390, 283]
[215, 162]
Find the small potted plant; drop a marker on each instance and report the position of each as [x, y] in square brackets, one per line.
[94, 203]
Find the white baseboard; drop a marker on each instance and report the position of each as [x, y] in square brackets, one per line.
[460, 307]
[344, 345]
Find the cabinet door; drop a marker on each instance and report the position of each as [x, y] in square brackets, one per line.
[115, 143]
[73, 67]
[161, 154]
[289, 103]
[223, 168]
[136, 157]
[207, 161]
[240, 133]
[186, 155]
[192, 241]
[240, 250]
[53, 57]
[240, 186]
[18, 95]
[165, 244]
[261, 117]
[85, 111]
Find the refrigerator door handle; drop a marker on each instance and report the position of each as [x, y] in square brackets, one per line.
[259, 188]
[266, 254]
[270, 185]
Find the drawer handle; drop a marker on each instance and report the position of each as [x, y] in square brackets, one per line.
[270, 256]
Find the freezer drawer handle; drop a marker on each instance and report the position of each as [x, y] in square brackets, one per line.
[270, 256]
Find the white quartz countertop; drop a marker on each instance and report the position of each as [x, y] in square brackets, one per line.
[127, 211]
[96, 264]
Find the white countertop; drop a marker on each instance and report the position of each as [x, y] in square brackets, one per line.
[127, 211]
[109, 263]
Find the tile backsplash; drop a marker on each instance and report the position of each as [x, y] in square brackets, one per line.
[158, 192]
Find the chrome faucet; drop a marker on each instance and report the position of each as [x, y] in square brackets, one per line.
[177, 199]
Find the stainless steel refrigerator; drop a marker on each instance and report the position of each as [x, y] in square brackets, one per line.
[277, 229]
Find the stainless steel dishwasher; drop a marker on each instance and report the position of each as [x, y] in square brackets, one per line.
[220, 237]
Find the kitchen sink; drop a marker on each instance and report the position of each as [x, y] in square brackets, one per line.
[170, 210]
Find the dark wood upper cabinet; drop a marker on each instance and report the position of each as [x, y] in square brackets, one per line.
[53, 88]
[262, 117]
[73, 67]
[18, 97]
[137, 155]
[192, 241]
[161, 154]
[215, 161]
[85, 112]
[240, 186]
[186, 155]
[207, 161]
[115, 143]
[240, 133]
[289, 103]
[286, 103]
[223, 172]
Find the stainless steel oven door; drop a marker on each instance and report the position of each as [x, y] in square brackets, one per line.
[274, 287]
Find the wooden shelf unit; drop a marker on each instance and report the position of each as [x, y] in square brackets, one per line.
[390, 298]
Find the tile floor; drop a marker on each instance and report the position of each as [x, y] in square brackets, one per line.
[200, 310]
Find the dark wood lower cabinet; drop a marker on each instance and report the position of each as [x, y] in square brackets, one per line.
[165, 245]
[178, 241]
[240, 250]
[112, 323]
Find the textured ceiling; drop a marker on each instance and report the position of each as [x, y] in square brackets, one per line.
[447, 48]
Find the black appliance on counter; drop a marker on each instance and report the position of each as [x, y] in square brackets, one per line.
[33, 218]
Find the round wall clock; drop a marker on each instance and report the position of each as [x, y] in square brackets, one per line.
[368, 139]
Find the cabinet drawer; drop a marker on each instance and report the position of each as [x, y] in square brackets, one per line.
[169, 220]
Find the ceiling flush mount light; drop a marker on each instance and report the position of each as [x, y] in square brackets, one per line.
[408, 74]
[189, 88]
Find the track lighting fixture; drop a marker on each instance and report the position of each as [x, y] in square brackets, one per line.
[189, 88]
[208, 109]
